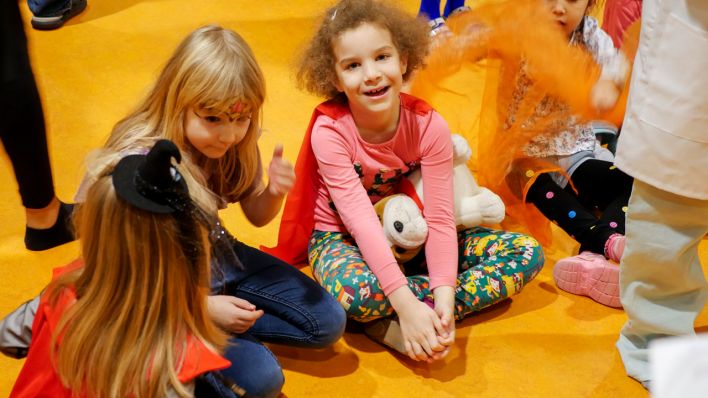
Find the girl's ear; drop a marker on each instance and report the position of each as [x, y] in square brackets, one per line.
[404, 63]
[337, 85]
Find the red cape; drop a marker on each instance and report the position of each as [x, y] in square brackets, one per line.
[298, 219]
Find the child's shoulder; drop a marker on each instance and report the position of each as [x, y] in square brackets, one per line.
[591, 29]
[415, 105]
[590, 22]
[334, 109]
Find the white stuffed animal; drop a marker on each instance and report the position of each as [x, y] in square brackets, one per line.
[474, 205]
[403, 224]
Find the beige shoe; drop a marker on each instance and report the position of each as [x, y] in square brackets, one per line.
[386, 331]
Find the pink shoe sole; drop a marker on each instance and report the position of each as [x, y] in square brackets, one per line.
[589, 274]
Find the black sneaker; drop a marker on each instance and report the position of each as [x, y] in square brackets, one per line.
[58, 234]
[55, 18]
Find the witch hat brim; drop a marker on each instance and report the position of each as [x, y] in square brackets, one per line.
[145, 190]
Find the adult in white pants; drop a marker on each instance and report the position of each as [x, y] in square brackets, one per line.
[664, 146]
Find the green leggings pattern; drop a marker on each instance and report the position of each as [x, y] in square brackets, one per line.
[493, 265]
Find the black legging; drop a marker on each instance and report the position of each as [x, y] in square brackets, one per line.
[21, 118]
[601, 188]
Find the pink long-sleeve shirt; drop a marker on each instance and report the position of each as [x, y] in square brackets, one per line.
[354, 174]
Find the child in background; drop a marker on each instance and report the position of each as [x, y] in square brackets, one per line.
[130, 318]
[430, 9]
[571, 147]
[208, 101]
[359, 146]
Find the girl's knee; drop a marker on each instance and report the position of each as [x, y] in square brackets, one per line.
[364, 309]
[268, 384]
[253, 367]
[536, 261]
[330, 327]
[360, 300]
[527, 246]
[536, 255]
[528, 253]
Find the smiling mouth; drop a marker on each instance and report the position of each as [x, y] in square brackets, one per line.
[377, 92]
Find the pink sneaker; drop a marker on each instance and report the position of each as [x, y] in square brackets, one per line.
[614, 247]
[589, 274]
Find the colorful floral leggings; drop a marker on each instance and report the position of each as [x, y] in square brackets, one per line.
[494, 265]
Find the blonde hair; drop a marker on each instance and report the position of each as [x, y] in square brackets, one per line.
[316, 72]
[139, 297]
[211, 69]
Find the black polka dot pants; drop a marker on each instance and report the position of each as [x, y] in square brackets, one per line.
[592, 214]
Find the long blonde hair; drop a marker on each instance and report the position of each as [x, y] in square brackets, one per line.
[211, 69]
[139, 298]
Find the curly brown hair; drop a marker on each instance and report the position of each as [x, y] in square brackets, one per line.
[316, 72]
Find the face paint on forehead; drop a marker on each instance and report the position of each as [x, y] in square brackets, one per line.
[237, 110]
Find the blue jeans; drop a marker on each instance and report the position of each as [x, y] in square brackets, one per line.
[297, 312]
[48, 6]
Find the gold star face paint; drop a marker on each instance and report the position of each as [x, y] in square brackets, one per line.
[238, 110]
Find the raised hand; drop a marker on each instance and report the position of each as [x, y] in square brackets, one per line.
[604, 96]
[281, 175]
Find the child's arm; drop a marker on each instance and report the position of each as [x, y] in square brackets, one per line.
[608, 88]
[264, 203]
[353, 205]
[615, 67]
[441, 246]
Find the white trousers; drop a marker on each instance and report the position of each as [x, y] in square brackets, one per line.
[662, 285]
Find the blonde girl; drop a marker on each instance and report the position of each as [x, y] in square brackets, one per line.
[130, 318]
[208, 99]
[360, 145]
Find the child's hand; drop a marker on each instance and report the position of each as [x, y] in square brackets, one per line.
[445, 308]
[232, 313]
[604, 95]
[419, 325]
[281, 176]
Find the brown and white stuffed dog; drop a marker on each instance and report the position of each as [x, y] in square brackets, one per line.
[403, 223]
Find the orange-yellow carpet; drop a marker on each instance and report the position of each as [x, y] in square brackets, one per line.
[542, 343]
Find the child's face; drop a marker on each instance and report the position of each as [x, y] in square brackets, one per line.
[212, 133]
[568, 13]
[369, 68]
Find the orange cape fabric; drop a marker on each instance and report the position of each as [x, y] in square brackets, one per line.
[499, 38]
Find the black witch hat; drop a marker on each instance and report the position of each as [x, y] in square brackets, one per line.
[150, 182]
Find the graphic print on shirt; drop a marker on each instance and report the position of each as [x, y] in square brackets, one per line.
[384, 181]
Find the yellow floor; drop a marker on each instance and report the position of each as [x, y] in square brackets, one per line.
[542, 343]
